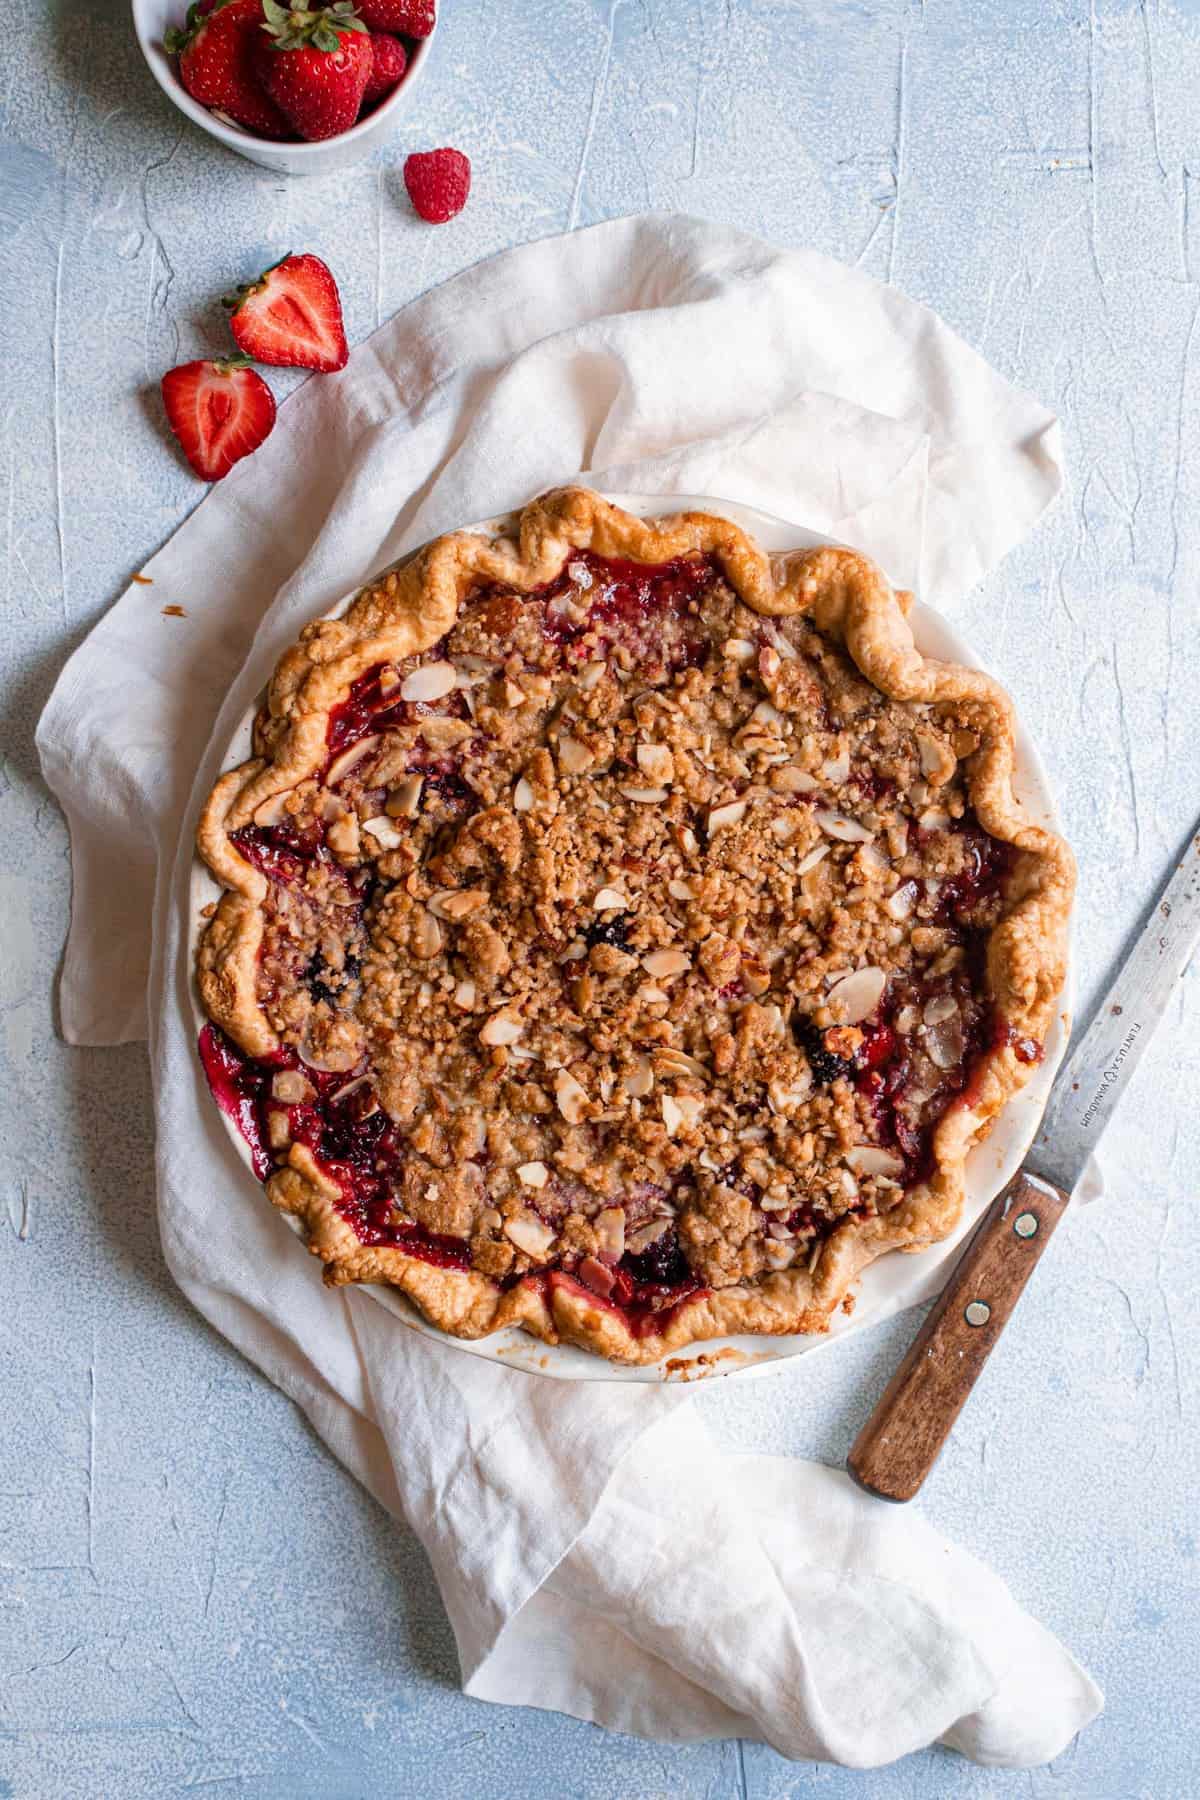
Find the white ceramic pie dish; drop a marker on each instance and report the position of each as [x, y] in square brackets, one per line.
[886, 1286]
[152, 19]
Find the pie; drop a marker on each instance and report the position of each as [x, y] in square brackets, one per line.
[625, 934]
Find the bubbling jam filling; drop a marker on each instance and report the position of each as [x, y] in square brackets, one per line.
[627, 942]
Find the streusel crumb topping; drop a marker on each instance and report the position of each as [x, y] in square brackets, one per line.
[627, 933]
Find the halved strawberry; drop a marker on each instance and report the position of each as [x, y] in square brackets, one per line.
[291, 316]
[219, 411]
[216, 50]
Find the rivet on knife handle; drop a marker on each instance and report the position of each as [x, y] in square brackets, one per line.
[903, 1438]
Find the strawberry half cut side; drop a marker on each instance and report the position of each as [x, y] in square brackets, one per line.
[291, 316]
[219, 411]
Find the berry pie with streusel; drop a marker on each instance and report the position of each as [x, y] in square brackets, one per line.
[625, 934]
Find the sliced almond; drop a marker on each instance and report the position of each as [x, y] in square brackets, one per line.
[678, 1062]
[783, 829]
[384, 833]
[645, 1235]
[570, 1098]
[782, 646]
[856, 996]
[941, 1007]
[404, 800]
[934, 819]
[610, 1233]
[352, 1087]
[738, 649]
[837, 825]
[937, 758]
[680, 890]
[574, 756]
[464, 995]
[342, 836]
[389, 680]
[533, 1174]
[664, 963]
[721, 818]
[836, 769]
[501, 1028]
[522, 796]
[432, 681]
[870, 1159]
[271, 812]
[815, 856]
[589, 675]
[672, 1114]
[290, 1086]
[530, 1235]
[457, 903]
[788, 779]
[610, 900]
[656, 761]
[785, 1096]
[643, 796]
[349, 759]
[638, 1080]
[427, 937]
[901, 903]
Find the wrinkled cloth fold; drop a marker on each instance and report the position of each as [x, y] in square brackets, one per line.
[595, 1551]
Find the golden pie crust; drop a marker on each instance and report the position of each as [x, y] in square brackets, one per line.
[584, 1047]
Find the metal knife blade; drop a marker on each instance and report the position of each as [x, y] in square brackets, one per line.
[1092, 1082]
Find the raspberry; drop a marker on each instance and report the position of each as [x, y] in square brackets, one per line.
[438, 182]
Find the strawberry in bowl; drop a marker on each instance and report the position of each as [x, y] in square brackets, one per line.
[297, 88]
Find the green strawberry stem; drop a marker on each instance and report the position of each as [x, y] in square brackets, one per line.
[299, 27]
[232, 301]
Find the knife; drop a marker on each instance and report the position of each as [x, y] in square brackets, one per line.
[903, 1438]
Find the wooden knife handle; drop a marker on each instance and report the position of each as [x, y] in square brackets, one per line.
[903, 1438]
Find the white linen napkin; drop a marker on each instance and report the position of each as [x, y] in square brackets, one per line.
[595, 1551]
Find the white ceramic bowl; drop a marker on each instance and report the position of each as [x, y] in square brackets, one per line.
[151, 21]
[887, 1286]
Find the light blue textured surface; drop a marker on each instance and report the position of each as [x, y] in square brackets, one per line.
[192, 1594]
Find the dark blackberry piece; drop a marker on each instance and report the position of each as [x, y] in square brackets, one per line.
[825, 1066]
[661, 1264]
[315, 981]
[607, 931]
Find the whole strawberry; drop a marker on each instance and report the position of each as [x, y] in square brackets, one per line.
[388, 63]
[315, 65]
[219, 411]
[291, 316]
[411, 18]
[216, 50]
